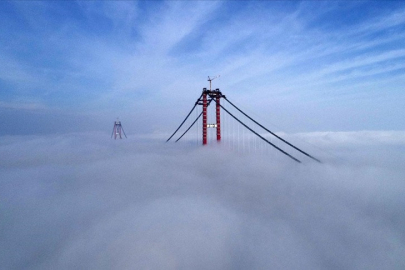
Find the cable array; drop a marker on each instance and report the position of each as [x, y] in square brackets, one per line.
[246, 126]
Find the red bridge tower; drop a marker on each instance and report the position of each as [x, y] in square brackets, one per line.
[206, 98]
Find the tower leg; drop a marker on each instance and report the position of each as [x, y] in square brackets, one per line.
[204, 128]
[218, 114]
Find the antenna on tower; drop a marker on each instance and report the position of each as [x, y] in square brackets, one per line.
[211, 79]
[117, 130]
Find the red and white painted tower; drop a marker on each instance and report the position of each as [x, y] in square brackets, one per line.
[204, 122]
[218, 114]
[207, 97]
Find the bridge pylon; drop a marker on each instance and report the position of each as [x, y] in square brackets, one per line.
[206, 97]
[118, 130]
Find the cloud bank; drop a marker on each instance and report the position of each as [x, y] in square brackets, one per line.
[83, 201]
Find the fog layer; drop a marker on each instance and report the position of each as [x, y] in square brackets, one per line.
[83, 201]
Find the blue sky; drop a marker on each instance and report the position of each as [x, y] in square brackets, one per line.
[302, 66]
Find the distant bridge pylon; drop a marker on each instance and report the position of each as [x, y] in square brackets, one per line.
[118, 130]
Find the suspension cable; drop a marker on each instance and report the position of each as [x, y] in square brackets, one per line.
[185, 118]
[124, 132]
[189, 127]
[257, 134]
[278, 137]
[193, 122]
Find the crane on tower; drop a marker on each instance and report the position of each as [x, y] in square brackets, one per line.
[211, 79]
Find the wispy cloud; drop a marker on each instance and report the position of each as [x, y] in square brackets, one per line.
[130, 56]
[24, 105]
